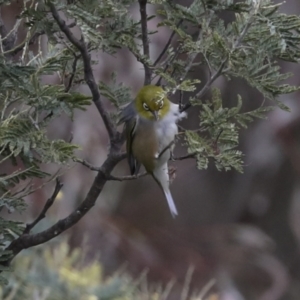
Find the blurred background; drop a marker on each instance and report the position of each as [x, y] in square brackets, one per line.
[242, 230]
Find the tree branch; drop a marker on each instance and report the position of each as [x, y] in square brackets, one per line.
[74, 67]
[127, 177]
[221, 67]
[190, 155]
[29, 240]
[88, 72]
[32, 40]
[48, 204]
[88, 165]
[145, 40]
[206, 87]
[167, 45]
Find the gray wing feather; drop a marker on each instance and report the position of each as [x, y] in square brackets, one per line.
[130, 118]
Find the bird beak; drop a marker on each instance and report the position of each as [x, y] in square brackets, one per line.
[155, 114]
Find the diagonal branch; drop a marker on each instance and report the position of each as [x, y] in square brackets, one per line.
[74, 68]
[208, 84]
[165, 49]
[88, 72]
[220, 70]
[29, 240]
[48, 204]
[32, 40]
[127, 177]
[88, 165]
[190, 155]
[145, 40]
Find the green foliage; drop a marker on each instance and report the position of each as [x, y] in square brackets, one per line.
[218, 134]
[117, 93]
[27, 107]
[250, 46]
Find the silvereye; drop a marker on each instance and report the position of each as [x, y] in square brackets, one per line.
[150, 123]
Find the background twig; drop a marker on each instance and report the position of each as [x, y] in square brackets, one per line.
[145, 40]
[48, 204]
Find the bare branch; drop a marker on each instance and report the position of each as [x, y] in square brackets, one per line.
[88, 165]
[29, 240]
[88, 72]
[145, 40]
[48, 204]
[127, 177]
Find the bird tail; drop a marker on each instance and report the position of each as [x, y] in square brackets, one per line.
[171, 203]
[161, 176]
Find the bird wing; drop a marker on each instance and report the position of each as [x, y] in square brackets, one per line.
[129, 116]
[127, 113]
[130, 127]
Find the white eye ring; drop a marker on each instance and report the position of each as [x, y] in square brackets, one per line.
[146, 107]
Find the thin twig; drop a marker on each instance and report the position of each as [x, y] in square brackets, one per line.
[126, 177]
[88, 165]
[221, 70]
[88, 72]
[207, 85]
[74, 67]
[165, 149]
[145, 40]
[48, 204]
[32, 40]
[168, 63]
[191, 58]
[190, 155]
[167, 44]
[8, 39]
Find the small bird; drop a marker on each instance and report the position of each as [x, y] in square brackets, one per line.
[150, 125]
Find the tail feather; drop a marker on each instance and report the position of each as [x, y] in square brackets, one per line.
[161, 176]
[171, 203]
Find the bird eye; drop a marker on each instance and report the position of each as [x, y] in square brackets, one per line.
[146, 107]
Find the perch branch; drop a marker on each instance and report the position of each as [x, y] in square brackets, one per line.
[126, 177]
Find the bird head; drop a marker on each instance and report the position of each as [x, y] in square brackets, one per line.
[151, 103]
